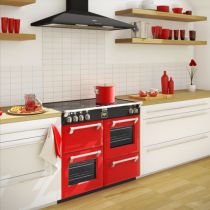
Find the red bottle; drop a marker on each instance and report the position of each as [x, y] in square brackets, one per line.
[171, 86]
[164, 83]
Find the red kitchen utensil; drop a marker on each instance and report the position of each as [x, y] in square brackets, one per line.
[163, 8]
[165, 33]
[105, 95]
[164, 83]
[192, 35]
[11, 25]
[189, 12]
[17, 26]
[182, 34]
[171, 86]
[176, 34]
[4, 24]
[177, 10]
[170, 34]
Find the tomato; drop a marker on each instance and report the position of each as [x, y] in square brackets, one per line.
[1, 113]
[143, 93]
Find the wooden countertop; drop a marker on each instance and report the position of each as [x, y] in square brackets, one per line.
[180, 95]
[6, 118]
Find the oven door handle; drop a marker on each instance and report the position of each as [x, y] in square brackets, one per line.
[72, 158]
[114, 123]
[125, 160]
[98, 125]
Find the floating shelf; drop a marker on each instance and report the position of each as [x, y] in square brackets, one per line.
[158, 41]
[17, 3]
[17, 37]
[152, 14]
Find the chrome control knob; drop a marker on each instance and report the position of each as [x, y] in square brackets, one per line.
[81, 118]
[75, 118]
[87, 117]
[69, 119]
[136, 111]
[131, 111]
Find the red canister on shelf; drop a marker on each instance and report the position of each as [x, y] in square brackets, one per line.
[164, 83]
[171, 86]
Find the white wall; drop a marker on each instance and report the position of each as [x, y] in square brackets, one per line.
[26, 62]
[202, 54]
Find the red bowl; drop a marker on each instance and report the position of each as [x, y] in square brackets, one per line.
[177, 10]
[163, 8]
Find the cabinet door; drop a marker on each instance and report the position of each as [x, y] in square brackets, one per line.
[166, 155]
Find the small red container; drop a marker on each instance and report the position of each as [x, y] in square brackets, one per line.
[163, 8]
[17, 26]
[4, 24]
[105, 95]
[11, 25]
[164, 83]
[189, 12]
[165, 33]
[170, 34]
[182, 34]
[177, 10]
[176, 34]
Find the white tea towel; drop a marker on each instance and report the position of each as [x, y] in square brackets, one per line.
[48, 153]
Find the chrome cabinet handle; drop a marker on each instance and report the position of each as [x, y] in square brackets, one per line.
[98, 125]
[174, 143]
[72, 158]
[114, 123]
[176, 108]
[165, 119]
[125, 160]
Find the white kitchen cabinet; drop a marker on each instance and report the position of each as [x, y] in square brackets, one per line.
[173, 134]
[26, 181]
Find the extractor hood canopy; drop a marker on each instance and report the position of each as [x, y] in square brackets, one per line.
[78, 16]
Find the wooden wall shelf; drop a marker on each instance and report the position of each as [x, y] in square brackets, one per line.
[17, 3]
[17, 37]
[151, 14]
[158, 42]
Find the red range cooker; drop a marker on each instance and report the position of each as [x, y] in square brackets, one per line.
[100, 145]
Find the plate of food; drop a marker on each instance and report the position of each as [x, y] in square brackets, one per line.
[21, 110]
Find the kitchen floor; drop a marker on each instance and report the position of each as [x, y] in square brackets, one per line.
[183, 188]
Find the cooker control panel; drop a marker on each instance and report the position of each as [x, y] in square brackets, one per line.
[100, 114]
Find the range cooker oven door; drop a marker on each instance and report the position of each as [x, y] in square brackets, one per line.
[82, 172]
[121, 136]
[121, 168]
[82, 136]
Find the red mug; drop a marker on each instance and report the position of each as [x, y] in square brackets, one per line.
[176, 34]
[165, 33]
[4, 24]
[17, 26]
[182, 34]
[11, 25]
[170, 34]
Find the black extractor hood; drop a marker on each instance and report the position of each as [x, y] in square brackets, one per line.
[78, 16]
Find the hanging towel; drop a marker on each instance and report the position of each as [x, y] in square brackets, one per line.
[48, 153]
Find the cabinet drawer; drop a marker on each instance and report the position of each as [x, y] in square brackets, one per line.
[20, 158]
[168, 109]
[166, 155]
[167, 128]
[121, 168]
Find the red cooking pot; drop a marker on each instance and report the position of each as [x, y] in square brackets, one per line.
[105, 95]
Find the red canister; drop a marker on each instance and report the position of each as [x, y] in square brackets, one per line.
[105, 95]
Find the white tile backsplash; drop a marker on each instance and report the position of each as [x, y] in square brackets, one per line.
[73, 63]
